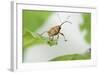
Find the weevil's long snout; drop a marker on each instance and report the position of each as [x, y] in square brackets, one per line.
[65, 22]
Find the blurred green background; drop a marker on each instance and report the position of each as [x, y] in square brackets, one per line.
[33, 20]
[86, 26]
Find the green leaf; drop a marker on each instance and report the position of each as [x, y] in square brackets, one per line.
[35, 39]
[86, 26]
[73, 57]
[32, 19]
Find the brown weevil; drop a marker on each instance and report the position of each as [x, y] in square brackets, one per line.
[55, 31]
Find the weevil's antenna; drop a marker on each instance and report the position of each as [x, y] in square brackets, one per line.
[65, 22]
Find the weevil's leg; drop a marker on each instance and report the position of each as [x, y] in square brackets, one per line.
[57, 38]
[63, 36]
[52, 38]
[49, 38]
[43, 33]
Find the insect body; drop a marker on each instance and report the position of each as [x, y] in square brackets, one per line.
[55, 31]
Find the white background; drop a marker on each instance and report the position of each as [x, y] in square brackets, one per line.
[5, 35]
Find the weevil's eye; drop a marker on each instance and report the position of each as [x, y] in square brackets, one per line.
[59, 27]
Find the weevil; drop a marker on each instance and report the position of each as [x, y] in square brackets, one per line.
[55, 31]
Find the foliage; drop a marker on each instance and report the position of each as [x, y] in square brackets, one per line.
[86, 25]
[33, 20]
[73, 57]
[35, 39]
